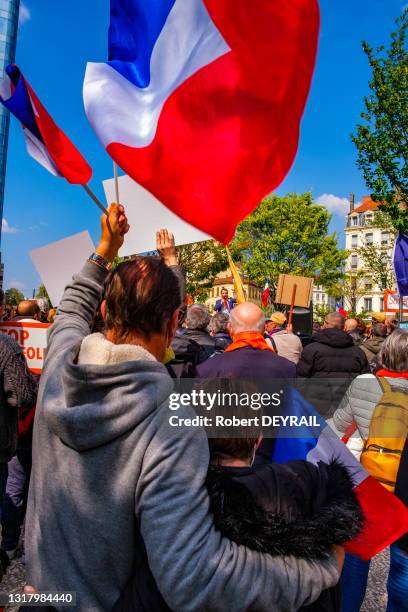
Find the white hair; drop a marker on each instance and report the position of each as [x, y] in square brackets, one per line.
[238, 326]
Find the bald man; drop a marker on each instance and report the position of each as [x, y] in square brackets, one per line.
[28, 310]
[249, 356]
[351, 327]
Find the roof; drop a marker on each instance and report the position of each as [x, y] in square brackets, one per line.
[366, 205]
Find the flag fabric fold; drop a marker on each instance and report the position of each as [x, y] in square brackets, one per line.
[400, 261]
[200, 101]
[265, 295]
[386, 516]
[45, 141]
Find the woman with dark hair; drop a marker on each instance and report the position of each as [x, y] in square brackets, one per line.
[117, 493]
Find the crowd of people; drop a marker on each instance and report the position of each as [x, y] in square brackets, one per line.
[132, 515]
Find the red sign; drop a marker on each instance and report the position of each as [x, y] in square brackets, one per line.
[32, 337]
[391, 302]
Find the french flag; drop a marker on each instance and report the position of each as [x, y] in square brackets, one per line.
[200, 101]
[45, 141]
[340, 310]
[265, 295]
[386, 516]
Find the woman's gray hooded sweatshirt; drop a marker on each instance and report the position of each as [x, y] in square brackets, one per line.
[107, 465]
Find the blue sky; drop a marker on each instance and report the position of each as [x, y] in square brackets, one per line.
[56, 39]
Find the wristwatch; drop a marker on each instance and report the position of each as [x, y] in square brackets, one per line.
[100, 261]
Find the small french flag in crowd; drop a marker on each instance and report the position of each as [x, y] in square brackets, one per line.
[45, 141]
[265, 295]
[320, 443]
[200, 101]
[340, 310]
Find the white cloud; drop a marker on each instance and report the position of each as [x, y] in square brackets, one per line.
[16, 284]
[24, 14]
[8, 229]
[333, 203]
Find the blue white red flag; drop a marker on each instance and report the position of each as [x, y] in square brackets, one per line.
[265, 295]
[201, 100]
[386, 516]
[45, 141]
[340, 310]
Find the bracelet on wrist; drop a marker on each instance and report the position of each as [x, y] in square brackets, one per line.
[100, 261]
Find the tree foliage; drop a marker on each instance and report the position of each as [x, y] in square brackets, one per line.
[350, 287]
[202, 261]
[378, 262]
[14, 296]
[42, 293]
[288, 235]
[382, 140]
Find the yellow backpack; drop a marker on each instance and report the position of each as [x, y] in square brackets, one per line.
[388, 430]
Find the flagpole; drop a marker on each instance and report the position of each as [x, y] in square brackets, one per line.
[95, 199]
[115, 174]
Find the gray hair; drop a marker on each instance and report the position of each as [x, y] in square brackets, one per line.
[334, 319]
[218, 323]
[43, 304]
[239, 326]
[197, 317]
[394, 351]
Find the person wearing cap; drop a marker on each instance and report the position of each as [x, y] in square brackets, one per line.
[378, 317]
[283, 341]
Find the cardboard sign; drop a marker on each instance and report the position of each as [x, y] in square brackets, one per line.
[32, 337]
[304, 289]
[57, 262]
[391, 302]
[147, 215]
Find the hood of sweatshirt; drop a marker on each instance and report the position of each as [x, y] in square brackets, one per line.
[336, 338]
[108, 390]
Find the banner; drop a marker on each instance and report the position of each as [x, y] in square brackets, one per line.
[391, 301]
[32, 337]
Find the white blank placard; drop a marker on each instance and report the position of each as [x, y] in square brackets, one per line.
[56, 263]
[147, 215]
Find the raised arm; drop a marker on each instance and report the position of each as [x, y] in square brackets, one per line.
[166, 247]
[82, 296]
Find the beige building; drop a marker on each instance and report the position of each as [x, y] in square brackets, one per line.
[359, 232]
[224, 279]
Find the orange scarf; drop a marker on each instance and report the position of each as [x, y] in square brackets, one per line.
[252, 339]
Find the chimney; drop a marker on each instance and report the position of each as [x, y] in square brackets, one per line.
[351, 200]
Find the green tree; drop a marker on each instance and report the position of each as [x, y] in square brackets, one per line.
[42, 293]
[14, 296]
[350, 287]
[382, 140]
[202, 261]
[378, 263]
[320, 311]
[288, 235]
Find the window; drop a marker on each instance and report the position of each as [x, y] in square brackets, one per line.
[385, 236]
[354, 220]
[368, 286]
[369, 238]
[368, 303]
[354, 240]
[354, 261]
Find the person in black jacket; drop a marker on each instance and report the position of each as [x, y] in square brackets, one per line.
[18, 389]
[298, 509]
[195, 328]
[332, 356]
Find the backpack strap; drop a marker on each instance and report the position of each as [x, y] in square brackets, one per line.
[273, 344]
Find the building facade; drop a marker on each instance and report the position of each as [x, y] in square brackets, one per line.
[9, 11]
[322, 298]
[359, 232]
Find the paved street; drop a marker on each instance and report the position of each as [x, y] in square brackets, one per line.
[375, 601]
